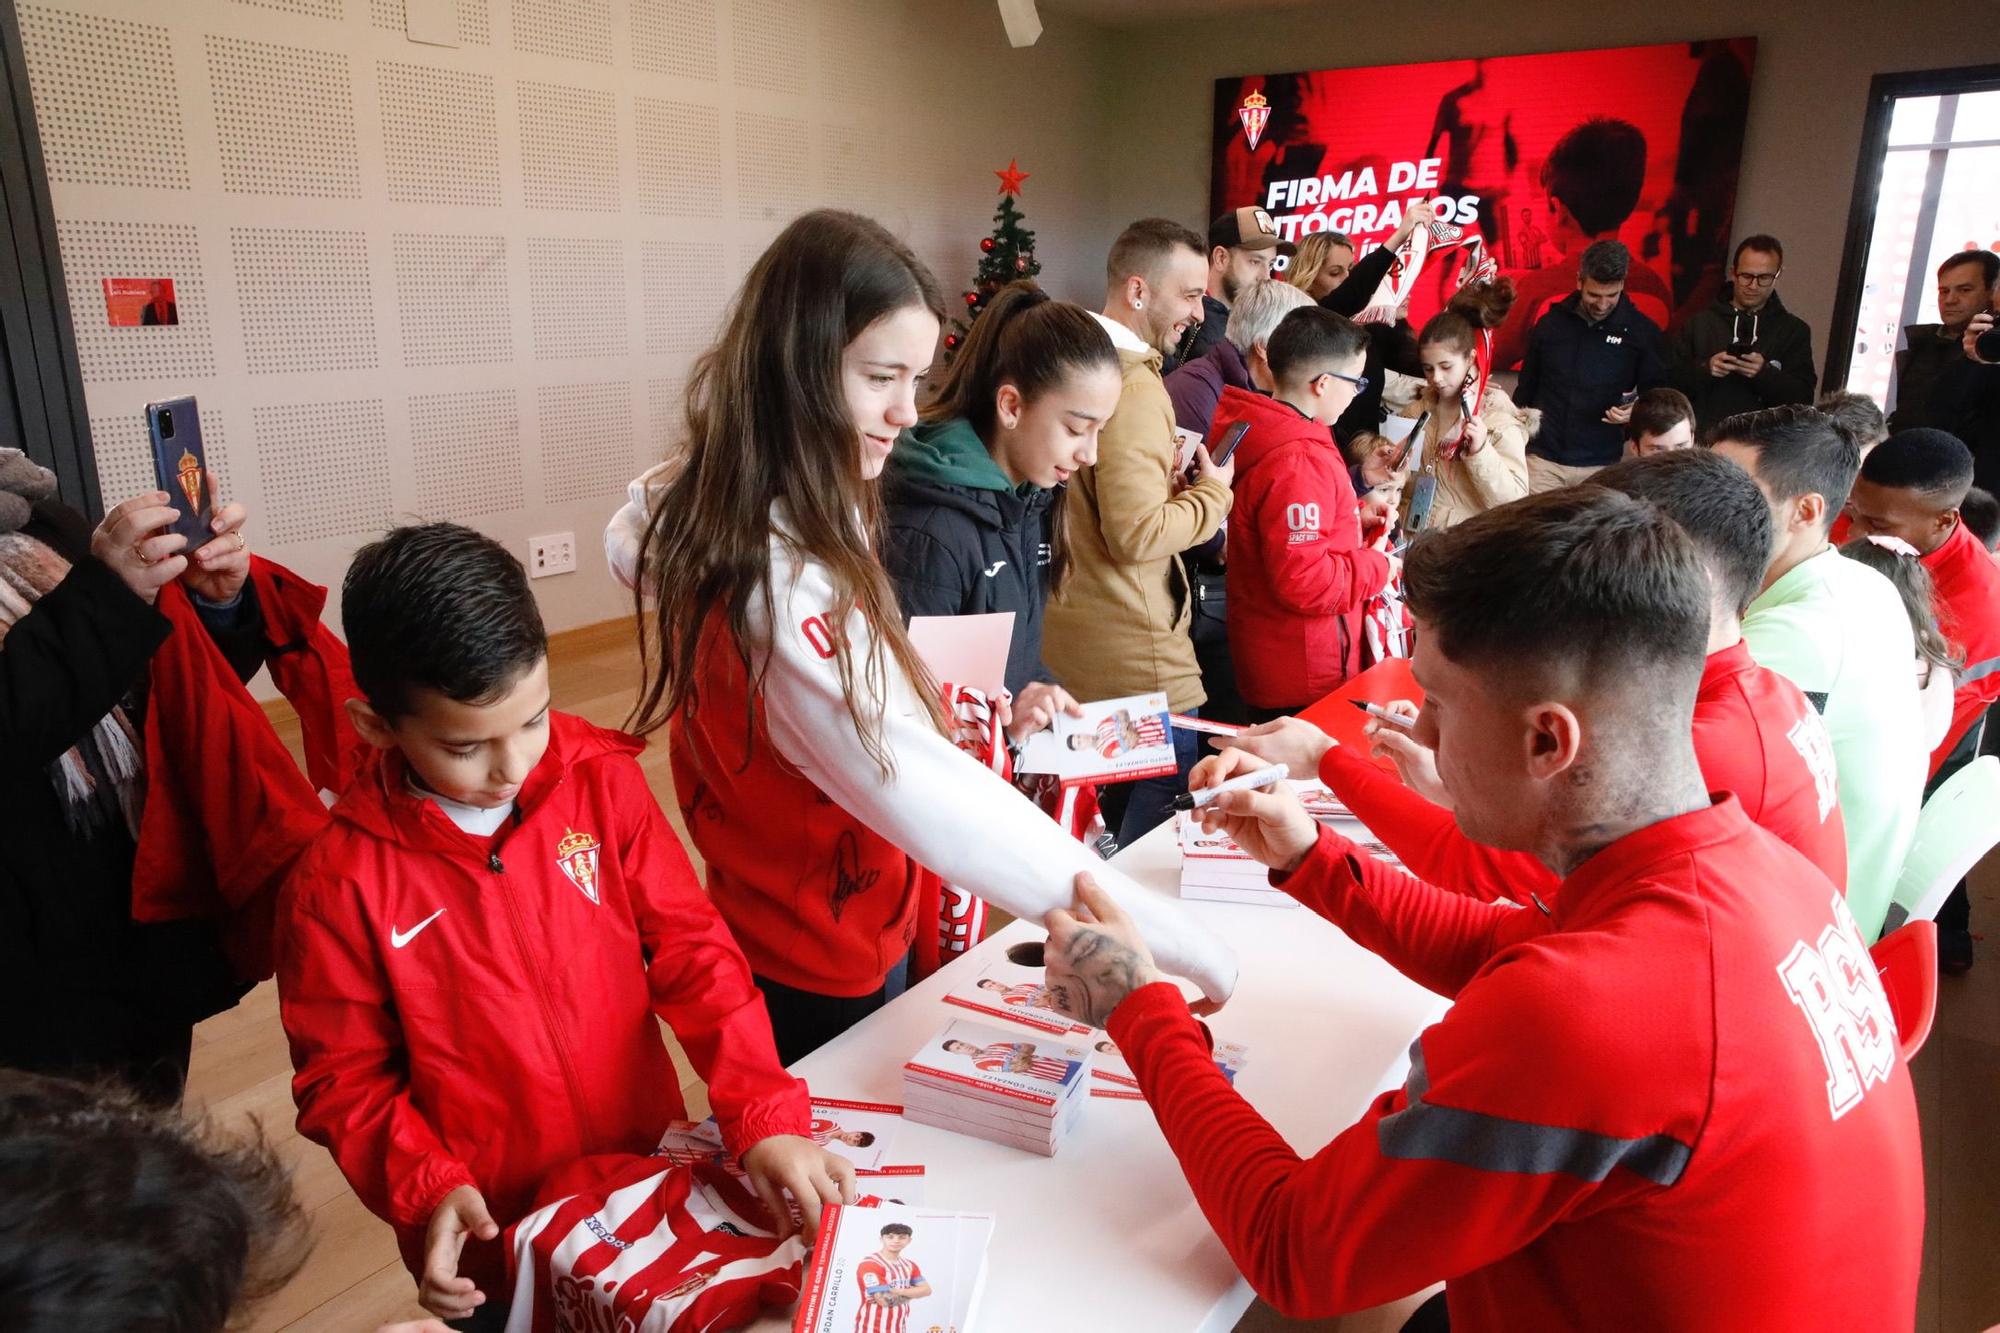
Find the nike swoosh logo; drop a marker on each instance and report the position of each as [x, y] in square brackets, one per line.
[398, 938]
[998, 565]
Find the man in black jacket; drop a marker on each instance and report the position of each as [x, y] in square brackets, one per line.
[1968, 284]
[1746, 352]
[1241, 246]
[1589, 358]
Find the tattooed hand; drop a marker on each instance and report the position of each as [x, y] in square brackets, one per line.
[1095, 955]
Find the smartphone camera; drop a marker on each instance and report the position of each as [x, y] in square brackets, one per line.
[166, 424]
[1987, 346]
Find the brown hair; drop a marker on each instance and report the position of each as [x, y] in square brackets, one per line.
[1142, 247]
[1475, 306]
[117, 1214]
[767, 424]
[1913, 584]
[1586, 582]
[1657, 411]
[1025, 339]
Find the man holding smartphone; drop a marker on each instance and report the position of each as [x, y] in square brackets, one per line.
[1746, 352]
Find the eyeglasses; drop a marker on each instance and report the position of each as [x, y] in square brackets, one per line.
[1360, 382]
[1758, 279]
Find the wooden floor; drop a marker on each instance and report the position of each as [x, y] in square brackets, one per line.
[355, 1281]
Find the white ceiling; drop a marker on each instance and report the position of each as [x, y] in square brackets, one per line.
[1133, 13]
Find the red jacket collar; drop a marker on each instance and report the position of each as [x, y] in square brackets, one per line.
[380, 802]
[1596, 886]
[1952, 558]
[1274, 425]
[1722, 665]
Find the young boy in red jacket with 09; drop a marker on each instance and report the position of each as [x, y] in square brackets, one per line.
[473, 954]
[1299, 574]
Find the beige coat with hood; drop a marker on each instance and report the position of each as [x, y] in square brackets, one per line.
[1474, 483]
[1121, 625]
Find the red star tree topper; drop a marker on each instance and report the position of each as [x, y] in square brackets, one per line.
[1007, 254]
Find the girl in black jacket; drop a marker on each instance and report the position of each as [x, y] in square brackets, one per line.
[974, 493]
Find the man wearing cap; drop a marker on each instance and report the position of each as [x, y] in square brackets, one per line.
[1241, 246]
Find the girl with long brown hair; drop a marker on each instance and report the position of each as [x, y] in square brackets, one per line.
[809, 758]
[1475, 440]
[974, 491]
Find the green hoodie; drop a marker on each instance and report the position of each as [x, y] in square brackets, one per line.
[948, 453]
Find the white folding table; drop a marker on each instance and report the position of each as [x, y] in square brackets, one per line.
[1106, 1235]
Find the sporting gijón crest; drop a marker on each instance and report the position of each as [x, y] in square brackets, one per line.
[576, 857]
[1255, 113]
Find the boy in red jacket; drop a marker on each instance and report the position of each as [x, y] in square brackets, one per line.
[1299, 574]
[473, 955]
[1663, 1100]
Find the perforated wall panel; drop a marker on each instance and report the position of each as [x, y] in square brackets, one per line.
[325, 467]
[573, 29]
[773, 165]
[680, 159]
[94, 251]
[451, 295]
[440, 135]
[474, 26]
[577, 288]
[105, 99]
[772, 41]
[674, 37]
[569, 148]
[588, 449]
[305, 298]
[666, 417]
[284, 119]
[467, 451]
[685, 285]
[311, 9]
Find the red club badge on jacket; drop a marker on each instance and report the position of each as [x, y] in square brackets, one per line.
[576, 857]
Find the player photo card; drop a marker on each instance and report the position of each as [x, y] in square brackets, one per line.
[862, 1132]
[894, 1269]
[1116, 740]
[1014, 994]
[1107, 1064]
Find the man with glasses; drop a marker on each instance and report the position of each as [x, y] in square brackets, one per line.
[1746, 352]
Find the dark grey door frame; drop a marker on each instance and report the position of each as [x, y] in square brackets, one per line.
[41, 382]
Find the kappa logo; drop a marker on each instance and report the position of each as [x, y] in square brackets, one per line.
[995, 568]
[1255, 113]
[576, 857]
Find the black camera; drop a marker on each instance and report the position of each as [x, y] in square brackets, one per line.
[1987, 346]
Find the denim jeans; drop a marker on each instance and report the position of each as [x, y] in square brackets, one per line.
[1148, 802]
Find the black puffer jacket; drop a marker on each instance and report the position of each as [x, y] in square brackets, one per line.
[963, 540]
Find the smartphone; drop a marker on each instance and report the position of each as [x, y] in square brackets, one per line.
[1416, 432]
[181, 467]
[1629, 397]
[1230, 439]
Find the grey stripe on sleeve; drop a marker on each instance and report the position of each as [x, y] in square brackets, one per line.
[1423, 1132]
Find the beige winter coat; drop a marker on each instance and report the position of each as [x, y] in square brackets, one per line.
[1120, 626]
[1474, 483]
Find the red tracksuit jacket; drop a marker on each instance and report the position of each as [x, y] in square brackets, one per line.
[478, 1012]
[1966, 592]
[1674, 1102]
[1755, 736]
[1299, 576]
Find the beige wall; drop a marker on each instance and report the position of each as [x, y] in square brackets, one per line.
[1808, 91]
[467, 282]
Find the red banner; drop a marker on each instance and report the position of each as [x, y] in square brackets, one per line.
[1543, 154]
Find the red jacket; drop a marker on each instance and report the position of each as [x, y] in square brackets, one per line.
[228, 812]
[1755, 736]
[817, 900]
[1674, 1102]
[1299, 576]
[464, 1012]
[1966, 594]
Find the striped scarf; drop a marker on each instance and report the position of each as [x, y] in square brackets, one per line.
[100, 778]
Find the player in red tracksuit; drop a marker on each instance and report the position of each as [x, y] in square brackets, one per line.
[1671, 1100]
[1755, 734]
[1299, 575]
[474, 955]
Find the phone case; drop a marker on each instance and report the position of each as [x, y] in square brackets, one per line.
[181, 467]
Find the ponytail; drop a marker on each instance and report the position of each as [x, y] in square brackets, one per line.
[1026, 339]
[1474, 307]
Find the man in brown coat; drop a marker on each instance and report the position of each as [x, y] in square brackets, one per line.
[1120, 627]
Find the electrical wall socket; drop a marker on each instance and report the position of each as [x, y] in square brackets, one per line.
[551, 553]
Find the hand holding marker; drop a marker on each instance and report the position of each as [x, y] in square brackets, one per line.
[1263, 777]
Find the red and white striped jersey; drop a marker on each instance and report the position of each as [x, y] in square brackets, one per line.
[1018, 1057]
[646, 1246]
[879, 1274]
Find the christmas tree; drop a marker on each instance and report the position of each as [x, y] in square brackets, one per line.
[1008, 254]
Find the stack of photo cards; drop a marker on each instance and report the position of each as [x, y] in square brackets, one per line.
[1116, 740]
[1112, 1078]
[891, 1268]
[1013, 994]
[1009, 1087]
[1215, 869]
